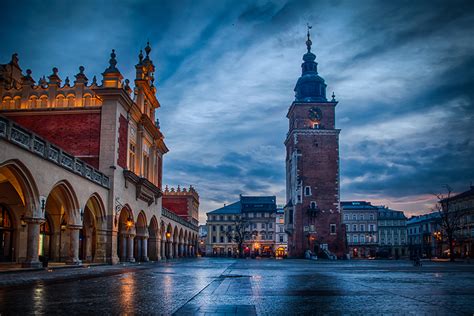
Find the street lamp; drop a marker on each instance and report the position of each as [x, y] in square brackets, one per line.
[168, 235]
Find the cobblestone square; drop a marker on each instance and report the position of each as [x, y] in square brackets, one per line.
[214, 286]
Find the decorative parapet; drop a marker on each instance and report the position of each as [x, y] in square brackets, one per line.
[172, 216]
[178, 191]
[29, 141]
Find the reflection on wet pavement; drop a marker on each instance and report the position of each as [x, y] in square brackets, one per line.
[248, 287]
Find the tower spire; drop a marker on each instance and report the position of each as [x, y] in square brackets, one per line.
[308, 41]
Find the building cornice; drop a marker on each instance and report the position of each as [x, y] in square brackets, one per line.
[310, 131]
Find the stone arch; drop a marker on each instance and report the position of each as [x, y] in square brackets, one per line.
[60, 100]
[90, 250]
[126, 234]
[154, 239]
[44, 101]
[33, 102]
[63, 208]
[87, 99]
[6, 102]
[141, 238]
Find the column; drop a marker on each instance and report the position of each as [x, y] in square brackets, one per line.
[170, 249]
[32, 260]
[123, 248]
[181, 250]
[145, 249]
[158, 248]
[74, 245]
[163, 249]
[138, 242]
[130, 240]
[176, 254]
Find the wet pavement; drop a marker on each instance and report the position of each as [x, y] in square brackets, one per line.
[213, 286]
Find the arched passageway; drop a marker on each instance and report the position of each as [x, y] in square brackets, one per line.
[20, 216]
[126, 236]
[141, 239]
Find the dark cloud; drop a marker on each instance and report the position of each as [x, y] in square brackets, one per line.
[403, 71]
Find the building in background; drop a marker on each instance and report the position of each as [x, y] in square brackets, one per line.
[392, 233]
[313, 216]
[463, 205]
[202, 239]
[281, 237]
[256, 213]
[424, 235]
[360, 219]
[183, 202]
[81, 169]
[218, 242]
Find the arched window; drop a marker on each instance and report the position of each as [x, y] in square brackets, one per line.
[44, 101]
[6, 235]
[60, 101]
[15, 103]
[33, 102]
[6, 103]
[71, 100]
[87, 100]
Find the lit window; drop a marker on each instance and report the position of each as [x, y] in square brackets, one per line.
[131, 157]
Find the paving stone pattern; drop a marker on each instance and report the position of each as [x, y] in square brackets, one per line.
[213, 286]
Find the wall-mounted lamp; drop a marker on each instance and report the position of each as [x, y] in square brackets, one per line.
[22, 221]
[168, 235]
[81, 212]
[42, 203]
[129, 222]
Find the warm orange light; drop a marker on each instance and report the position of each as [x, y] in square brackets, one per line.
[168, 234]
[256, 246]
[129, 224]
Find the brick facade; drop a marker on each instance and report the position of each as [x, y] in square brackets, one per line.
[122, 142]
[78, 133]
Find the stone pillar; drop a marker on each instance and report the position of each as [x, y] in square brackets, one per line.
[181, 248]
[130, 245]
[170, 249]
[189, 250]
[176, 254]
[73, 257]
[158, 249]
[123, 248]
[144, 249]
[32, 260]
[138, 243]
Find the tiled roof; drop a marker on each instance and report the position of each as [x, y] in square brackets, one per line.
[233, 208]
[357, 205]
[425, 217]
[258, 199]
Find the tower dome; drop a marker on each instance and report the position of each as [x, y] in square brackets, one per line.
[310, 86]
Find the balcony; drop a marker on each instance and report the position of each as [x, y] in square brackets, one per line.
[145, 190]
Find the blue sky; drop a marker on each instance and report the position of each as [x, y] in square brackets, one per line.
[402, 72]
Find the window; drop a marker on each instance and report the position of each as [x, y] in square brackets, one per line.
[355, 239]
[146, 164]
[270, 236]
[214, 239]
[213, 228]
[362, 227]
[222, 239]
[354, 227]
[354, 217]
[313, 205]
[270, 225]
[221, 217]
[371, 217]
[307, 190]
[290, 217]
[361, 217]
[262, 225]
[281, 238]
[131, 157]
[222, 228]
[346, 217]
[332, 229]
[259, 214]
[348, 227]
[254, 225]
[362, 239]
[281, 229]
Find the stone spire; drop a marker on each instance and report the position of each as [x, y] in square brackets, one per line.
[54, 78]
[310, 86]
[112, 76]
[28, 80]
[81, 77]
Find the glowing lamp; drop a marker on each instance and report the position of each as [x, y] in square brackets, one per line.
[168, 235]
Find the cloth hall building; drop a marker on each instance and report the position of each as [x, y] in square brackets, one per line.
[81, 170]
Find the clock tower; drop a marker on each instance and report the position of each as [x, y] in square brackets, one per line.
[313, 216]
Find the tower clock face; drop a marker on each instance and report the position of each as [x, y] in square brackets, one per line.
[315, 114]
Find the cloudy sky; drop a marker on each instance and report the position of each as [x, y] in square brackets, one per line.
[403, 72]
